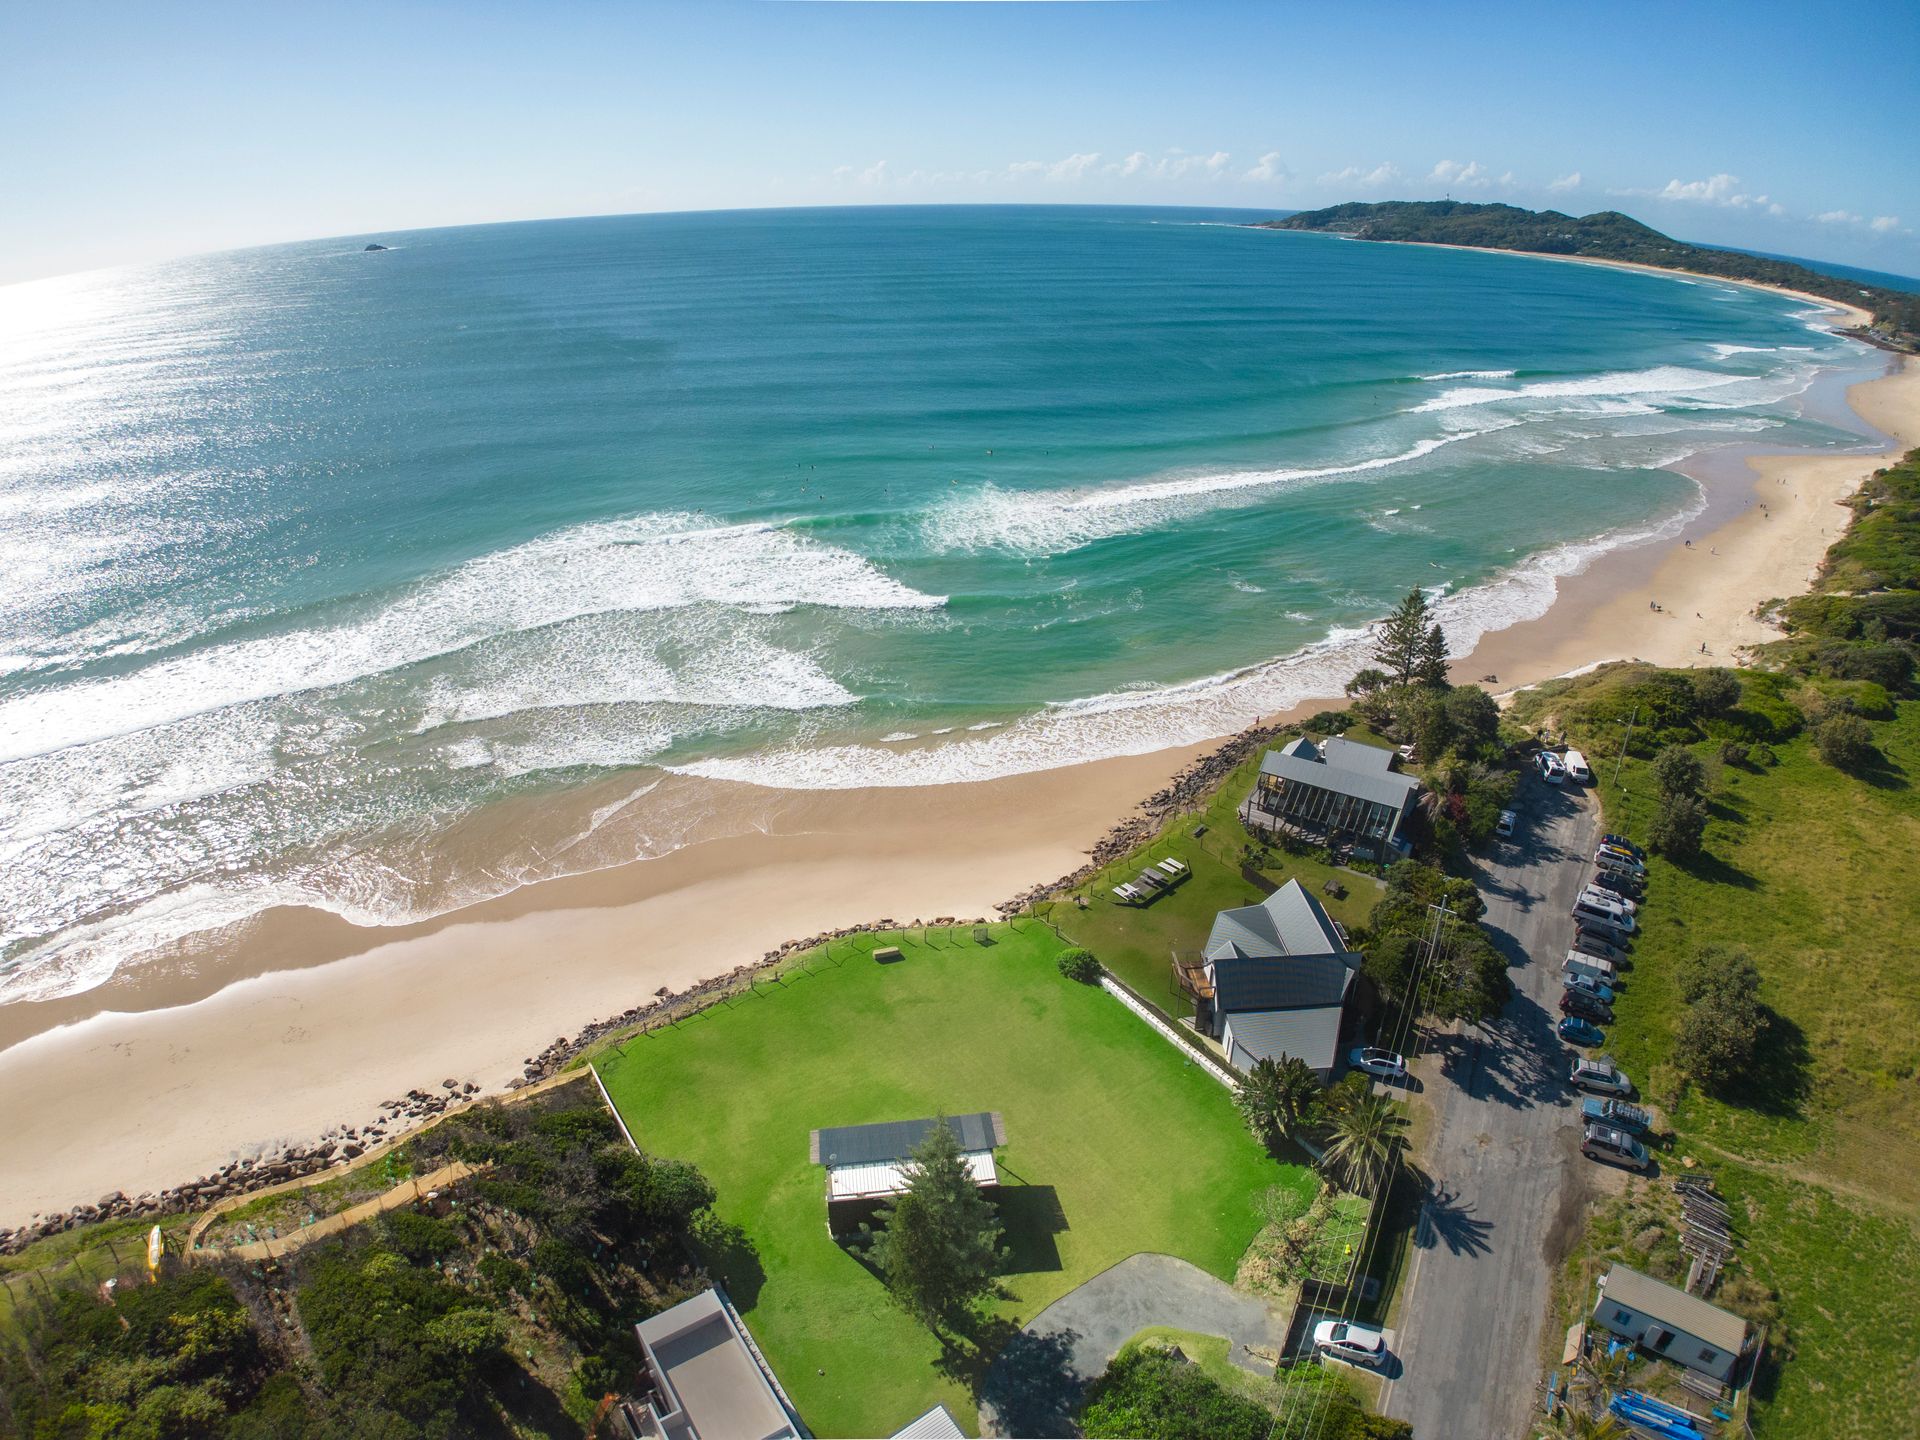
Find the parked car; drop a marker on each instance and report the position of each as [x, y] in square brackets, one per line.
[1576, 1002]
[1616, 1147]
[1614, 883]
[1620, 842]
[1552, 768]
[1383, 1063]
[1587, 965]
[1617, 1113]
[1613, 854]
[1356, 1344]
[1609, 897]
[1577, 770]
[1583, 1033]
[1505, 825]
[1592, 942]
[1596, 913]
[1588, 984]
[1601, 1076]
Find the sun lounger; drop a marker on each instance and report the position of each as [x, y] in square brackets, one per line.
[1175, 868]
[1127, 893]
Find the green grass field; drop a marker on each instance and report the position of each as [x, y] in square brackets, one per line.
[1812, 872]
[1115, 1145]
[1137, 942]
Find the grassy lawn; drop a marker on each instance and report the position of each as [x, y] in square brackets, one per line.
[1115, 1145]
[1137, 943]
[1811, 871]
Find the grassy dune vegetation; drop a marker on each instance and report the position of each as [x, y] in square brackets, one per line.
[1115, 1145]
[1809, 869]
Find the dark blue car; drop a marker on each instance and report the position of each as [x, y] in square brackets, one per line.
[1576, 1031]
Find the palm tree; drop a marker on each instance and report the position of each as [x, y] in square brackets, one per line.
[1366, 1137]
[1278, 1098]
[1573, 1422]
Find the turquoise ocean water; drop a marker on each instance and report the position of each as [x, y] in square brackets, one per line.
[311, 553]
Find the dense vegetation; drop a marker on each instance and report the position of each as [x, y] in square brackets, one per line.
[502, 1308]
[1605, 235]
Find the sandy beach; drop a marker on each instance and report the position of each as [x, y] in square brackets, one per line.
[308, 1022]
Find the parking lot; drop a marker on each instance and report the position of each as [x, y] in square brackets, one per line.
[1506, 1180]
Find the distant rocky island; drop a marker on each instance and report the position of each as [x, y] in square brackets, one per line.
[1605, 235]
[371, 248]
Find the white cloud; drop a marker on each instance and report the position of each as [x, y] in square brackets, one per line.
[1470, 176]
[1269, 169]
[1074, 167]
[1885, 224]
[1837, 217]
[874, 176]
[1566, 182]
[1385, 173]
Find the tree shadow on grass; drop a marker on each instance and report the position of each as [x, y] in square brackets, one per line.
[1032, 1217]
[1882, 772]
[731, 1258]
[1780, 1078]
[529, 1406]
[1715, 871]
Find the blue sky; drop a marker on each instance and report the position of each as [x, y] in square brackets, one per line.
[136, 131]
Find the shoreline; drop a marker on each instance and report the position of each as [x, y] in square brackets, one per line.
[310, 1022]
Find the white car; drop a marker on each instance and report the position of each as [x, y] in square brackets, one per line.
[1356, 1344]
[1504, 827]
[1552, 768]
[1599, 892]
[1383, 1063]
[1577, 770]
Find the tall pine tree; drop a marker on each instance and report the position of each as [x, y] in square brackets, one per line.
[940, 1246]
[1402, 639]
[1433, 658]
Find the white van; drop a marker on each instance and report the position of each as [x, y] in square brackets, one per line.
[1577, 770]
[1603, 912]
[1596, 892]
[1587, 965]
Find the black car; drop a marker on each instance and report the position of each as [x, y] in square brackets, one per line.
[1616, 884]
[1587, 1007]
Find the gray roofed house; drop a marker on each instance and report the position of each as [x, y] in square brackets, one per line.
[708, 1379]
[1670, 1323]
[937, 1424]
[1337, 791]
[1275, 979]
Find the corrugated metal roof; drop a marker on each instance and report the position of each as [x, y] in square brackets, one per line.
[1287, 922]
[1674, 1308]
[1346, 770]
[1295, 982]
[1312, 1035]
[936, 1424]
[892, 1140]
[864, 1182]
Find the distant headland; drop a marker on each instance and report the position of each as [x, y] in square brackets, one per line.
[1606, 235]
[375, 246]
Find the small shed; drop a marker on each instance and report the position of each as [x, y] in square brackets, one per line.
[1666, 1321]
[866, 1164]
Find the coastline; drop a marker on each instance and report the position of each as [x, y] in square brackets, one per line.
[308, 1022]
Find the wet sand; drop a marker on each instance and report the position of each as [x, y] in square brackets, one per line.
[303, 1021]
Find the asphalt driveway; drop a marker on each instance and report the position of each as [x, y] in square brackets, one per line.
[1508, 1182]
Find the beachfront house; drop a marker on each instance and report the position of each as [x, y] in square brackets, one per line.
[869, 1164]
[1337, 793]
[706, 1379]
[1275, 979]
[1670, 1323]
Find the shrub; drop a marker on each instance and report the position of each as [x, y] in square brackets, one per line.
[1732, 752]
[1678, 826]
[421, 1238]
[1764, 755]
[1844, 741]
[506, 1276]
[1150, 1394]
[1078, 964]
[1716, 691]
[1720, 1032]
[1678, 771]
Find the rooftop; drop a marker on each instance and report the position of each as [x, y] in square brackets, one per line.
[1287, 922]
[1675, 1308]
[865, 1162]
[710, 1384]
[1311, 1035]
[1365, 771]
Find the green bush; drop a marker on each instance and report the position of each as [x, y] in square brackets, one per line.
[1844, 741]
[1147, 1393]
[1678, 826]
[1078, 964]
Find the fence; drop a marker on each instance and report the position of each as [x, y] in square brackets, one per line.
[1195, 1053]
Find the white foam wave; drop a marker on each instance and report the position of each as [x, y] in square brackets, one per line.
[652, 563]
[1053, 521]
[1677, 381]
[1137, 721]
[1472, 375]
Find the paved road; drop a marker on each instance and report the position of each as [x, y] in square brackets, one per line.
[1031, 1386]
[1508, 1180]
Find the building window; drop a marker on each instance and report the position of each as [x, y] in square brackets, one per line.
[1707, 1357]
[1622, 1317]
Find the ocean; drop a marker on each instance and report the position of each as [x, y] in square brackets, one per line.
[314, 555]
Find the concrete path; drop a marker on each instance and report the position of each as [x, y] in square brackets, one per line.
[1507, 1179]
[1032, 1386]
